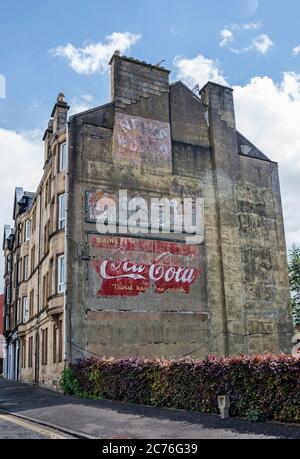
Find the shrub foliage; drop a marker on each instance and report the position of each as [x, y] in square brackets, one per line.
[294, 274]
[261, 387]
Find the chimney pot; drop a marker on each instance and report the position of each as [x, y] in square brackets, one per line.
[61, 97]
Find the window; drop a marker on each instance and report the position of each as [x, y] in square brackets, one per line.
[60, 342]
[33, 220]
[47, 192]
[7, 296]
[19, 271]
[61, 211]
[19, 234]
[30, 351]
[49, 189]
[18, 311]
[8, 264]
[60, 274]
[25, 309]
[54, 343]
[45, 346]
[31, 304]
[46, 237]
[32, 259]
[23, 350]
[51, 276]
[27, 230]
[26, 267]
[15, 274]
[62, 157]
[45, 290]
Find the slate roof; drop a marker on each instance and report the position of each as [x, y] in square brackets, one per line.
[246, 148]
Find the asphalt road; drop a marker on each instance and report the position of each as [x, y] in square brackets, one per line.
[14, 428]
[115, 420]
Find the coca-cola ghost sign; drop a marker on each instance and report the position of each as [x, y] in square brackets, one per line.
[131, 267]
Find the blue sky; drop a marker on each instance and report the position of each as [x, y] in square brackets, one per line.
[52, 46]
[31, 29]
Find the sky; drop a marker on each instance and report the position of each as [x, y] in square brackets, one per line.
[52, 46]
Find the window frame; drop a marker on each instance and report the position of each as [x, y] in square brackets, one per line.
[23, 352]
[61, 223]
[45, 346]
[31, 303]
[30, 352]
[62, 160]
[25, 309]
[26, 268]
[60, 264]
[8, 263]
[33, 261]
[27, 230]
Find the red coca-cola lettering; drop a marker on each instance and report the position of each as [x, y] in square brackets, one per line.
[126, 278]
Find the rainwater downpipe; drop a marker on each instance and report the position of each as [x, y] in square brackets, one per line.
[65, 321]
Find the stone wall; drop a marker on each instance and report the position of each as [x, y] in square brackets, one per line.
[158, 140]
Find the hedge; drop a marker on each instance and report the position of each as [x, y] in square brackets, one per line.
[261, 387]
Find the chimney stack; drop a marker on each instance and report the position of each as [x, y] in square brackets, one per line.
[60, 113]
[139, 88]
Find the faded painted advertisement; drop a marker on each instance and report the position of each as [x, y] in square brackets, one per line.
[144, 141]
[93, 210]
[131, 266]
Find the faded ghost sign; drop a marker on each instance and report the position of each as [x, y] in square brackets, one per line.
[144, 141]
[129, 267]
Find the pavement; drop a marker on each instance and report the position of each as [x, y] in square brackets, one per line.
[69, 417]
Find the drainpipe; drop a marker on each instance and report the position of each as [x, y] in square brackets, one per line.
[65, 321]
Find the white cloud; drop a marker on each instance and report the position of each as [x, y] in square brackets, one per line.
[80, 104]
[262, 43]
[268, 114]
[226, 37]
[21, 164]
[296, 50]
[252, 25]
[245, 26]
[94, 57]
[198, 70]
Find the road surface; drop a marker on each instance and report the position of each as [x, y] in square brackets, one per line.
[115, 420]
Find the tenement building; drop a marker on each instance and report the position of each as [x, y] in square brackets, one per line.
[86, 274]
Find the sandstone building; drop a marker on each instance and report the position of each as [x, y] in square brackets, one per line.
[68, 290]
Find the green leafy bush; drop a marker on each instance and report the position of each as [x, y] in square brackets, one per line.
[261, 387]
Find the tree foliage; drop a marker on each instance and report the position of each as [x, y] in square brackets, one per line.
[294, 274]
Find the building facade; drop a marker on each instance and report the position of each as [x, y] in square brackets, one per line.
[78, 291]
[2, 339]
[34, 267]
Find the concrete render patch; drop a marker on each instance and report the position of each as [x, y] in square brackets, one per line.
[112, 420]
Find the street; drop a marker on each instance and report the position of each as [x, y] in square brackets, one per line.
[12, 427]
[59, 416]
